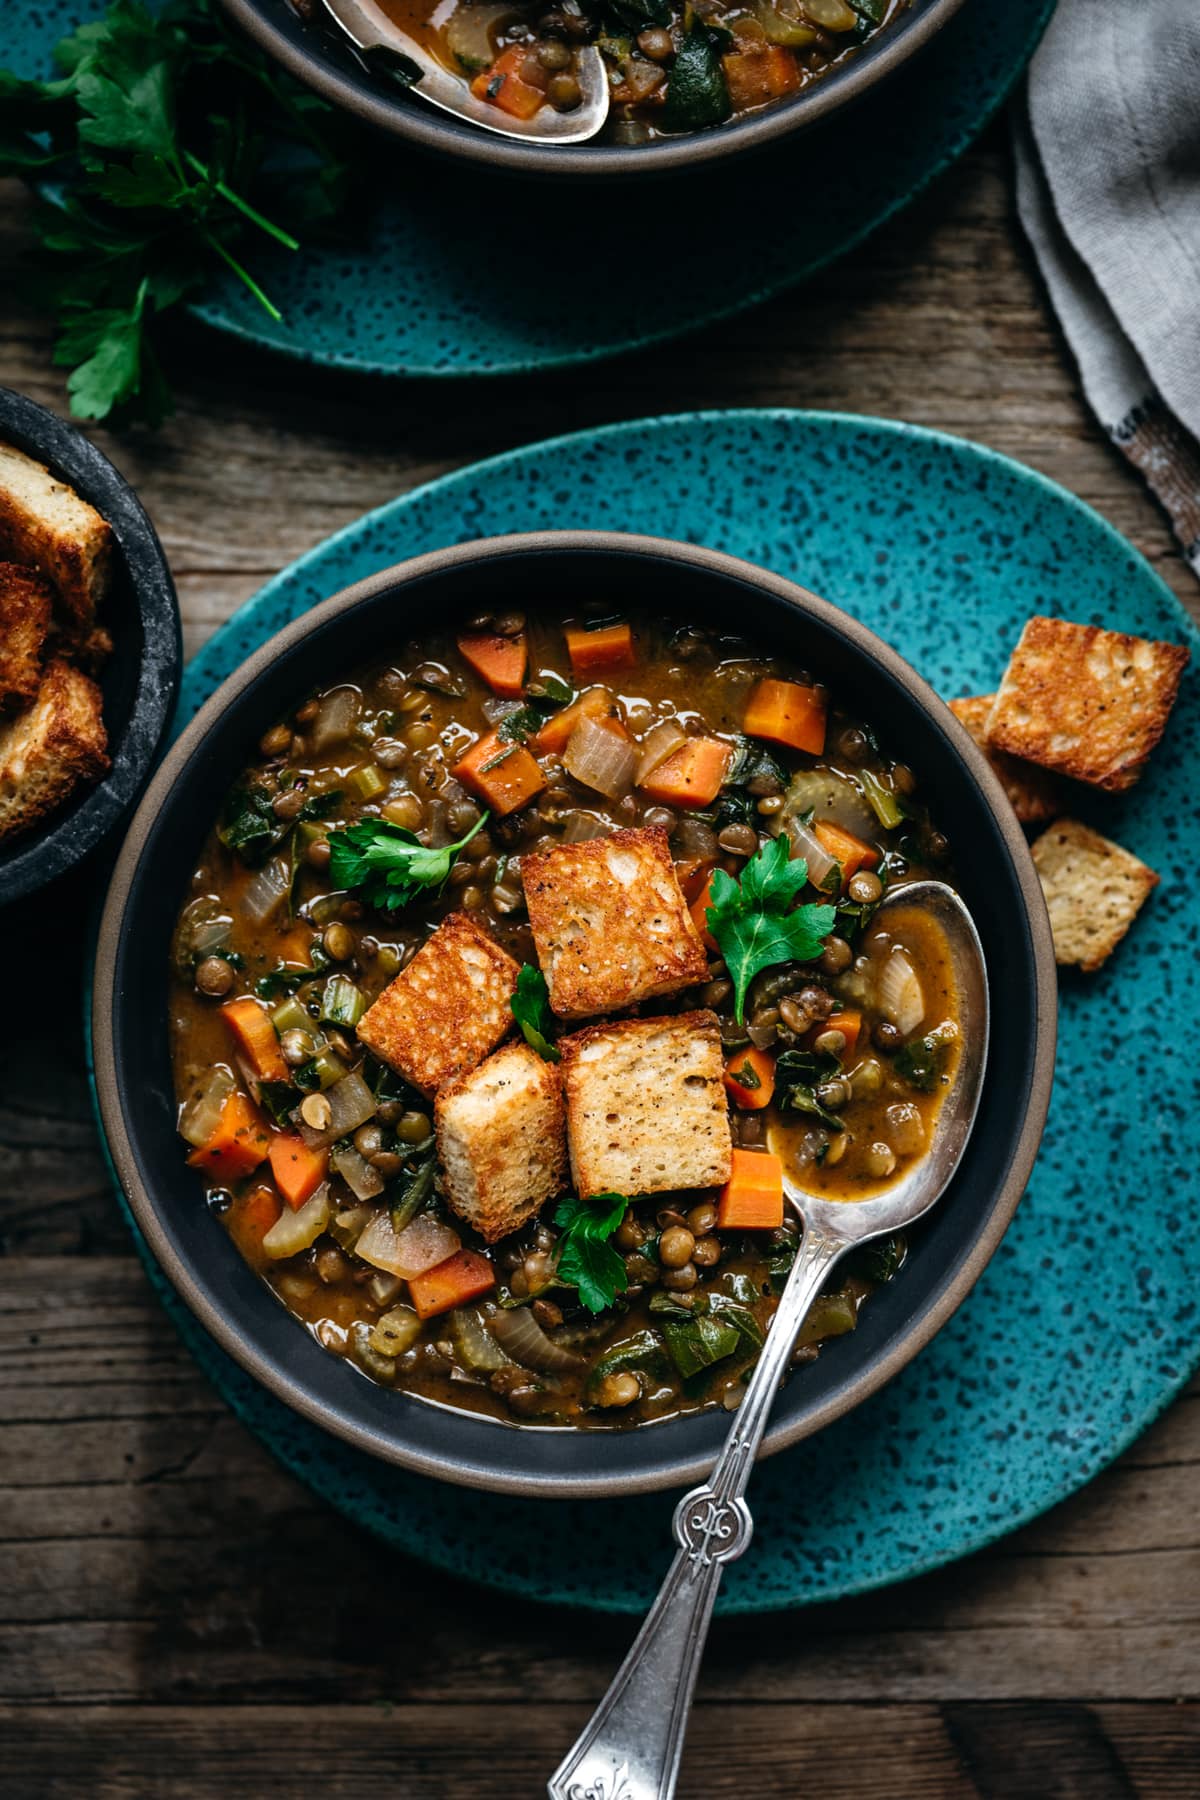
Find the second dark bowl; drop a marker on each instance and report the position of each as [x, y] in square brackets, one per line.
[130, 1034]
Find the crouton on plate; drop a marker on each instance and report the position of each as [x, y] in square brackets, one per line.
[501, 1140]
[1094, 890]
[446, 1010]
[610, 922]
[646, 1107]
[1031, 791]
[1089, 703]
[45, 523]
[26, 604]
[45, 751]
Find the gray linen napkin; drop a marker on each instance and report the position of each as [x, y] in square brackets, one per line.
[1108, 188]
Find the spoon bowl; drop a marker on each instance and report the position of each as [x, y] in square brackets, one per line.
[632, 1746]
[372, 31]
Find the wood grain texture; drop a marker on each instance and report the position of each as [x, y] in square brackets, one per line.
[177, 1616]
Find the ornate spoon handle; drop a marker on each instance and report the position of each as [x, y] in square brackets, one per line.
[631, 1748]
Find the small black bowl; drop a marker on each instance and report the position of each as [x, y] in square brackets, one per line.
[139, 681]
[130, 1028]
[320, 55]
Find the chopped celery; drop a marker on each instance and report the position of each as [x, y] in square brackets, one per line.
[368, 1358]
[883, 802]
[367, 782]
[830, 1315]
[341, 1002]
[396, 1332]
[289, 1015]
[325, 1070]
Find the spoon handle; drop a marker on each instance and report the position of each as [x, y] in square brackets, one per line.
[630, 1749]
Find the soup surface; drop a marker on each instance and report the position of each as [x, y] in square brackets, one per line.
[496, 741]
[672, 68]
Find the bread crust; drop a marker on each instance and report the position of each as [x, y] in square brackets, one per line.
[1094, 891]
[26, 608]
[1032, 792]
[45, 523]
[47, 750]
[501, 1135]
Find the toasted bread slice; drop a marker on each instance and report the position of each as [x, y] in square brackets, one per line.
[26, 606]
[610, 922]
[446, 1010]
[646, 1106]
[1094, 891]
[1031, 791]
[1088, 703]
[501, 1140]
[47, 750]
[45, 523]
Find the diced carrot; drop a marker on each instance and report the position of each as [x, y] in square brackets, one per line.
[500, 661]
[692, 777]
[596, 703]
[849, 1023]
[503, 776]
[462, 1277]
[752, 1198]
[692, 875]
[846, 849]
[750, 1078]
[251, 1217]
[610, 647]
[760, 73]
[503, 86]
[251, 1025]
[785, 713]
[298, 1171]
[699, 915]
[237, 1145]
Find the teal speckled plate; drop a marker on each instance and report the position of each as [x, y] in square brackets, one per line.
[1084, 1325]
[449, 284]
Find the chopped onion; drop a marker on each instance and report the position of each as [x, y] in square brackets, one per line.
[268, 890]
[204, 927]
[806, 843]
[363, 1181]
[202, 1109]
[520, 1336]
[657, 745]
[901, 1000]
[601, 758]
[828, 795]
[351, 1104]
[581, 827]
[295, 1231]
[337, 717]
[420, 1246]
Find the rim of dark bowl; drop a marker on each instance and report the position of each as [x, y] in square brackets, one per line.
[315, 56]
[375, 1419]
[145, 703]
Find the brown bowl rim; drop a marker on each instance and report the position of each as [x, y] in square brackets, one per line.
[910, 1339]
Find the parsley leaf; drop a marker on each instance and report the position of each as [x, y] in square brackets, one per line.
[389, 863]
[586, 1259]
[530, 1007]
[755, 921]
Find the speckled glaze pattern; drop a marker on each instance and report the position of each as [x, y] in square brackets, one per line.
[1084, 1324]
[444, 287]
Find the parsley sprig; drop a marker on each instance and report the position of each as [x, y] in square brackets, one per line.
[146, 147]
[586, 1259]
[389, 864]
[756, 922]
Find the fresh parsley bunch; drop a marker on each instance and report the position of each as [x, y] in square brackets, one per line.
[147, 148]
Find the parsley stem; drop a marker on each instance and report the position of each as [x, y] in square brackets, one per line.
[244, 275]
[243, 206]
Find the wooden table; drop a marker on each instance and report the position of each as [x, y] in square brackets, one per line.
[178, 1617]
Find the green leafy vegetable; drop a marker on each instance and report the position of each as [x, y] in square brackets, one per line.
[286, 981]
[249, 823]
[586, 1259]
[886, 805]
[922, 1063]
[697, 93]
[389, 863]
[530, 1007]
[643, 1351]
[416, 1188]
[279, 1098]
[151, 138]
[798, 1075]
[696, 1343]
[755, 921]
[551, 690]
[880, 1261]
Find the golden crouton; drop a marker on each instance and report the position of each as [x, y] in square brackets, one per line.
[446, 1010]
[610, 923]
[1094, 891]
[646, 1106]
[49, 748]
[1031, 791]
[501, 1140]
[45, 523]
[1089, 703]
[26, 604]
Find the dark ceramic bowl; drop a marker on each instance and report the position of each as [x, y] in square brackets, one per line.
[321, 56]
[140, 679]
[133, 1074]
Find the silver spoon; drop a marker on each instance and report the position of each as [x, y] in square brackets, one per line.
[369, 28]
[631, 1748]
